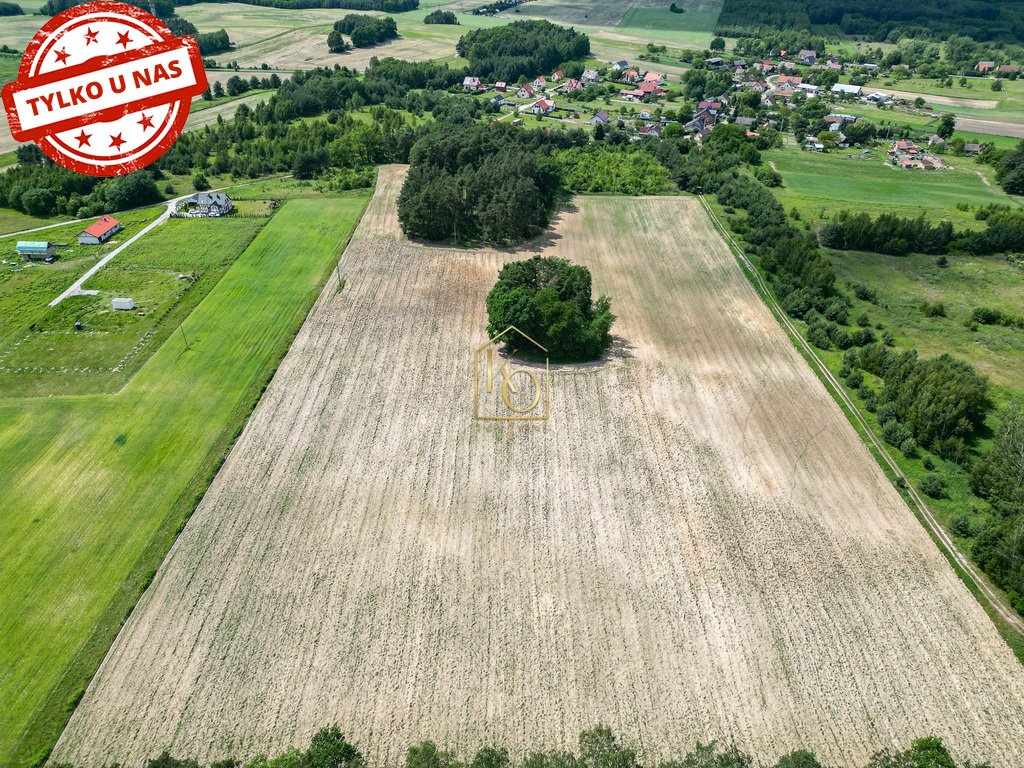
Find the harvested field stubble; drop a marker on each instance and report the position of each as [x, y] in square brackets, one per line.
[697, 546]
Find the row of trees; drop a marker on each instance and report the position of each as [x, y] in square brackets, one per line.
[1010, 171]
[899, 236]
[598, 748]
[10, 9]
[522, 48]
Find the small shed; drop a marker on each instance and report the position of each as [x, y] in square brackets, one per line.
[36, 250]
[123, 303]
[99, 231]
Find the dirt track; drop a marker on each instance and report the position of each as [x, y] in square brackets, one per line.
[696, 546]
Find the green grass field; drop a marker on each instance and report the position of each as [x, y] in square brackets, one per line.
[817, 183]
[95, 488]
[38, 355]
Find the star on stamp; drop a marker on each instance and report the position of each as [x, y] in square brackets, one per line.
[104, 88]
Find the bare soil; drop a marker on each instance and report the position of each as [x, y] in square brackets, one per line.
[696, 546]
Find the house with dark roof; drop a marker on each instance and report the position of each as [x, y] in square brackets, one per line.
[99, 231]
[601, 118]
[206, 204]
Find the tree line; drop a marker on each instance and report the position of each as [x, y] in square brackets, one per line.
[387, 6]
[521, 49]
[936, 19]
[597, 747]
[899, 236]
[10, 9]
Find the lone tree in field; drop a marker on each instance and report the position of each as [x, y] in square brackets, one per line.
[549, 300]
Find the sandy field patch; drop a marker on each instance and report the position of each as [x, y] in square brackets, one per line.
[696, 546]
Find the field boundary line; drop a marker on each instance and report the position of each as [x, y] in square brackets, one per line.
[938, 533]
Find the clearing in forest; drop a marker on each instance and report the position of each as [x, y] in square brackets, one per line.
[696, 546]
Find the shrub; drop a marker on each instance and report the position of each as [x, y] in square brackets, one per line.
[933, 485]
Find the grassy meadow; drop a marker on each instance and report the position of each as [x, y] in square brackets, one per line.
[97, 487]
[820, 184]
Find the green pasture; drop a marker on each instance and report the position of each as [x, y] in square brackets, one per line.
[43, 354]
[923, 125]
[820, 184]
[95, 488]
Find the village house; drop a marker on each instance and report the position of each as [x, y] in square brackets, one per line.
[540, 83]
[715, 62]
[36, 250]
[747, 121]
[793, 80]
[501, 86]
[539, 107]
[206, 204]
[99, 231]
[526, 91]
[472, 83]
[807, 56]
[654, 77]
[618, 66]
[811, 144]
[1006, 69]
[601, 118]
[591, 76]
[985, 66]
[972, 149]
[558, 76]
[645, 114]
[572, 85]
[630, 76]
[653, 129]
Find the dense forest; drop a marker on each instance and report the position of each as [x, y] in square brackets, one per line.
[986, 20]
[481, 183]
[10, 9]
[598, 748]
[521, 49]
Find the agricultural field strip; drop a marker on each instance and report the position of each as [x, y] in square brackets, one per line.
[87, 482]
[696, 546]
[995, 600]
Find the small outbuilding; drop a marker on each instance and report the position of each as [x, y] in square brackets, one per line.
[123, 303]
[99, 231]
[36, 250]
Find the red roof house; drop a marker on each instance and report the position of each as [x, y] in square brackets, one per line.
[99, 231]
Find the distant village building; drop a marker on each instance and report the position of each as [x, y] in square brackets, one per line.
[122, 304]
[845, 89]
[807, 56]
[1009, 68]
[985, 66]
[36, 250]
[471, 83]
[526, 91]
[591, 76]
[539, 107]
[601, 118]
[99, 231]
[618, 66]
[501, 86]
